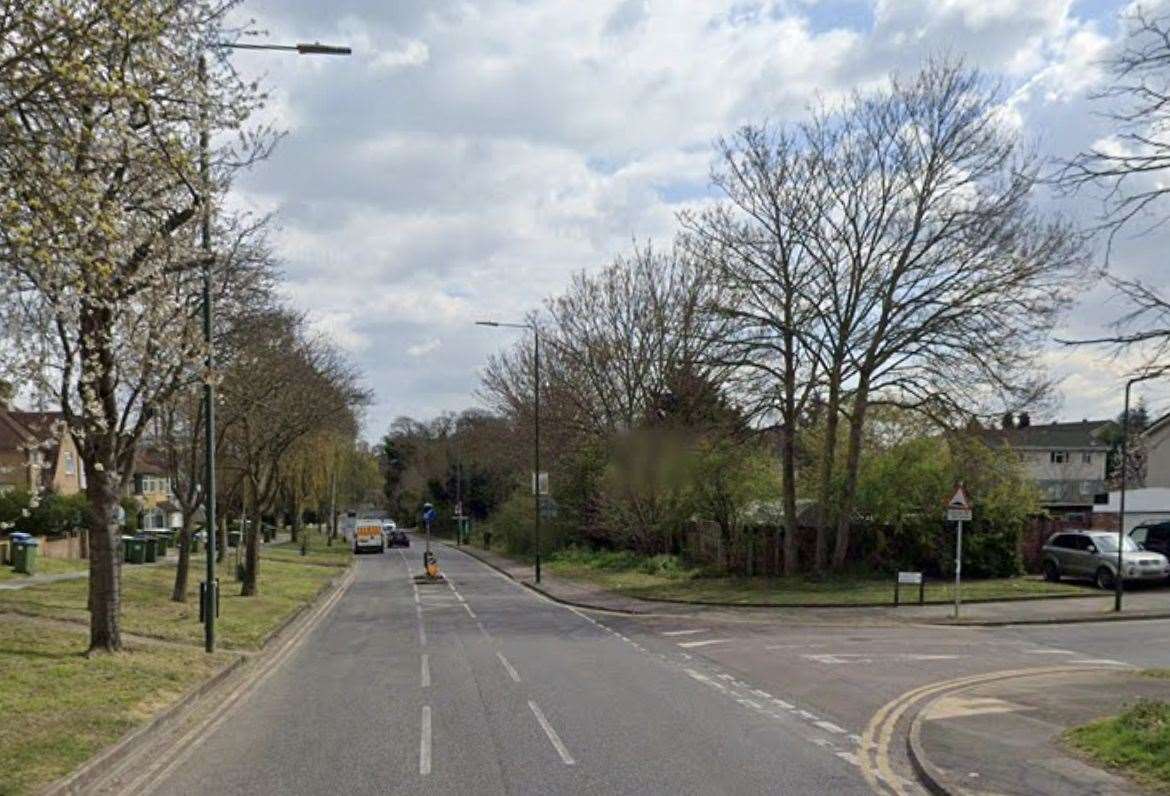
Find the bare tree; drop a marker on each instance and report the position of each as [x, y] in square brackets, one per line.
[754, 244]
[933, 234]
[282, 387]
[1130, 166]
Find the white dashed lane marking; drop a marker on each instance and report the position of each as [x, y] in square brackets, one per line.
[553, 738]
[704, 643]
[684, 632]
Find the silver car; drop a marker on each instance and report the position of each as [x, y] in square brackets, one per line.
[1092, 555]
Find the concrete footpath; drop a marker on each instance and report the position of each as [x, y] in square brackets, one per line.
[1097, 607]
[1006, 736]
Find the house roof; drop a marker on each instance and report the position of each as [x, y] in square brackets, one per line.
[1158, 425]
[1077, 435]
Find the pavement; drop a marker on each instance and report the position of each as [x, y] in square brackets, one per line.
[1005, 736]
[479, 684]
[1141, 602]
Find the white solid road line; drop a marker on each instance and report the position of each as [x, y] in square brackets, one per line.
[511, 669]
[1049, 652]
[426, 670]
[684, 632]
[424, 746]
[704, 643]
[470, 612]
[552, 735]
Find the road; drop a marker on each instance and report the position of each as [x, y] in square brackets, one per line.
[480, 686]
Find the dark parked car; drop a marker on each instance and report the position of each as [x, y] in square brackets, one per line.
[1154, 537]
[397, 539]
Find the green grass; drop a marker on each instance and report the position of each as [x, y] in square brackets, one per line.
[61, 708]
[663, 577]
[147, 609]
[1136, 743]
[44, 566]
[320, 552]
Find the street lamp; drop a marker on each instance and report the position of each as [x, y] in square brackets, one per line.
[536, 415]
[209, 595]
[1118, 586]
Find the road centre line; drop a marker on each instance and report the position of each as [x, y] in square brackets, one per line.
[470, 612]
[552, 734]
[511, 669]
[684, 632]
[426, 671]
[424, 745]
[706, 642]
[1049, 652]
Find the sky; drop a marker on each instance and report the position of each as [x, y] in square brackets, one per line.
[470, 156]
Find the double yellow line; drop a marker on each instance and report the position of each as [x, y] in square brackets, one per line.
[877, 766]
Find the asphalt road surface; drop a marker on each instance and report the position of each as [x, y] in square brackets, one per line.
[479, 686]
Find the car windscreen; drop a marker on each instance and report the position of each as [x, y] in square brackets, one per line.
[1108, 544]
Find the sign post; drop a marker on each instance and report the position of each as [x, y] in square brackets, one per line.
[429, 564]
[959, 511]
[910, 579]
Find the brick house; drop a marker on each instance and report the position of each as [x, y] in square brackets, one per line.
[37, 453]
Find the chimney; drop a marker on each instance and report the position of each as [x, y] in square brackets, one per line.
[1024, 420]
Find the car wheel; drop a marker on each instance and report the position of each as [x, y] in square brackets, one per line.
[1104, 579]
[1051, 572]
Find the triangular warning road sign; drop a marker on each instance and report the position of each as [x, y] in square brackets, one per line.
[960, 500]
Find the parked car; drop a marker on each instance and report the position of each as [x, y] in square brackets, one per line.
[1154, 538]
[397, 539]
[1092, 555]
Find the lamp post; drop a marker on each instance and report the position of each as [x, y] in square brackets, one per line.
[209, 596]
[1119, 580]
[536, 416]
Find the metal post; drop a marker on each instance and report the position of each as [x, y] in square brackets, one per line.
[536, 436]
[209, 368]
[1118, 578]
[459, 503]
[958, 567]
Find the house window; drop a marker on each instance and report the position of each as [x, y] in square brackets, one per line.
[70, 465]
[1058, 457]
[1086, 458]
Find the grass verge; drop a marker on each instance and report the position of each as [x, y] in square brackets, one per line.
[147, 609]
[320, 552]
[45, 566]
[1135, 743]
[663, 577]
[60, 708]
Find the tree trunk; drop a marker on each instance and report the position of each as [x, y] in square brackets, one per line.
[252, 557]
[825, 488]
[179, 593]
[280, 523]
[105, 600]
[788, 463]
[221, 536]
[852, 466]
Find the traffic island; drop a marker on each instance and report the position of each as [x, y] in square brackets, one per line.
[1008, 735]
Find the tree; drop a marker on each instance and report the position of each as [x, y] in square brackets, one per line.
[940, 278]
[1130, 166]
[99, 196]
[281, 387]
[753, 243]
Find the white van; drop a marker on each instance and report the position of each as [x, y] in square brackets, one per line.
[367, 535]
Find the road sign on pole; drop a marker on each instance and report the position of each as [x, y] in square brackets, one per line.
[958, 512]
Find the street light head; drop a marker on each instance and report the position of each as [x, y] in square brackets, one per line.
[322, 49]
[487, 323]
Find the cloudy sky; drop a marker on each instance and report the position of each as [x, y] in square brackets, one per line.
[471, 155]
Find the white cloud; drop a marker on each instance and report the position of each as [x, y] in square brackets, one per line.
[422, 349]
[470, 156]
[413, 53]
